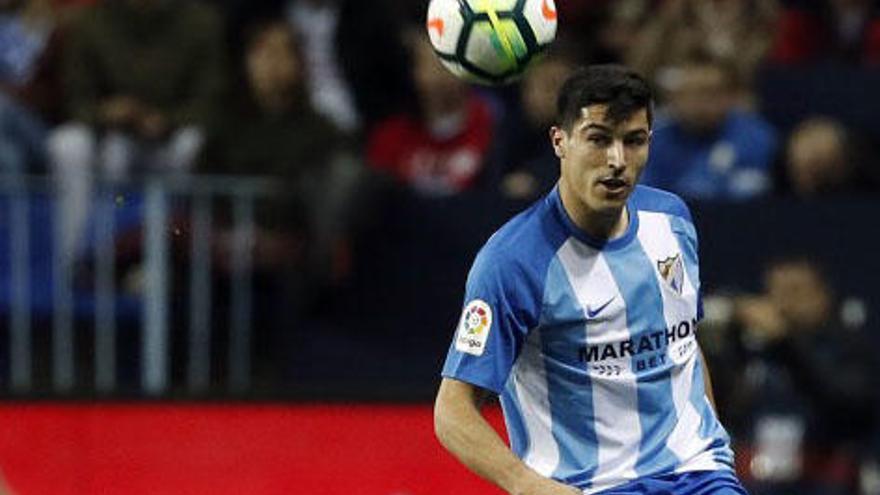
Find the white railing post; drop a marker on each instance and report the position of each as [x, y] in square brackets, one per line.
[242, 277]
[199, 371]
[20, 348]
[155, 350]
[105, 295]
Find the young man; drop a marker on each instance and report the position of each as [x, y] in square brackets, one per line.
[581, 314]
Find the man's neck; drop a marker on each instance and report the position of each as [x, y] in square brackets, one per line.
[606, 224]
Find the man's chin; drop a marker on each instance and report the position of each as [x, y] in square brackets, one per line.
[612, 201]
[608, 206]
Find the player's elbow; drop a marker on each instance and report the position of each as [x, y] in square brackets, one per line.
[447, 409]
[456, 410]
[442, 429]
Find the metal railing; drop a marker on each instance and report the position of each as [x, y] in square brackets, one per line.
[161, 198]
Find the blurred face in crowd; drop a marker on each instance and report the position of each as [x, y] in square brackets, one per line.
[624, 18]
[539, 89]
[799, 293]
[601, 160]
[439, 92]
[817, 157]
[273, 65]
[700, 96]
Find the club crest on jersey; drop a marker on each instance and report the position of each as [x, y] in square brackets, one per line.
[672, 271]
[474, 327]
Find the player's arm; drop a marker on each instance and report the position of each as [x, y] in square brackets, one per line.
[462, 429]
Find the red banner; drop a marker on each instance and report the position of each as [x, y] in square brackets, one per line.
[229, 449]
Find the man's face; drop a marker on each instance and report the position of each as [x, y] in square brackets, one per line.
[800, 295]
[272, 65]
[817, 159]
[601, 160]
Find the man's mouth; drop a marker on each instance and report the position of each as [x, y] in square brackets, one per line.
[614, 184]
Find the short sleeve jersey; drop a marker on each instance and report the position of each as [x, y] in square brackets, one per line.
[591, 344]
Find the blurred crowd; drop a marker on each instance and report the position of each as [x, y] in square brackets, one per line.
[330, 93]
[344, 102]
[326, 94]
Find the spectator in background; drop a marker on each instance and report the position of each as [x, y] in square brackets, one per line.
[614, 35]
[272, 130]
[596, 27]
[444, 147]
[373, 56]
[27, 96]
[740, 31]
[357, 70]
[531, 167]
[141, 77]
[805, 397]
[707, 147]
[823, 159]
[822, 30]
[317, 21]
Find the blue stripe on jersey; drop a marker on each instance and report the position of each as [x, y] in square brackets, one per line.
[513, 420]
[650, 199]
[644, 309]
[569, 388]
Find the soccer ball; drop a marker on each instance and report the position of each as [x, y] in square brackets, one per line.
[490, 41]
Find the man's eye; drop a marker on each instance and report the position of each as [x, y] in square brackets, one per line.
[599, 139]
[636, 141]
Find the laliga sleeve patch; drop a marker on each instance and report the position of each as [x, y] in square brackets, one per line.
[474, 327]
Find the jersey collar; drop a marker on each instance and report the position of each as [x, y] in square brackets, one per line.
[578, 233]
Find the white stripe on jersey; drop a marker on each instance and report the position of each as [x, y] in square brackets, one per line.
[660, 243]
[615, 398]
[530, 383]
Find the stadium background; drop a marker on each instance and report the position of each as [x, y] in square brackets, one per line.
[326, 387]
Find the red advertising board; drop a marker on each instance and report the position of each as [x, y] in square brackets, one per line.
[229, 449]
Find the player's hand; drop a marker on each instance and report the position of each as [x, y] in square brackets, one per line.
[534, 484]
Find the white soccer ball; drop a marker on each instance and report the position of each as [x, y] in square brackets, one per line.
[490, 41]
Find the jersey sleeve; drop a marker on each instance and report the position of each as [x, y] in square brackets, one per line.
[492, 327]
[683, 224]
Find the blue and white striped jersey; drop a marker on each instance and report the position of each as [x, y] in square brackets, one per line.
[591, 344]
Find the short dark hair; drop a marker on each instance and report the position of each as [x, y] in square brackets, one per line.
[623, 89]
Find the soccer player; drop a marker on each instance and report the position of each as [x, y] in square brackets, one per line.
[581, 313]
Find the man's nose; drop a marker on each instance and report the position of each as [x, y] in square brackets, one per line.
[616, 157]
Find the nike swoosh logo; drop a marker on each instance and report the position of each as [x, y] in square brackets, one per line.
[591, 313]
[548, 12]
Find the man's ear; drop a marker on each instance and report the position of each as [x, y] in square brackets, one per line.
[557, 139]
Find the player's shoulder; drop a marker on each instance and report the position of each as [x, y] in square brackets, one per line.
[646, 198]
[522, 247]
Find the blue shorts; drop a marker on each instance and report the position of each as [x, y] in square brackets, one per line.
[694, 483]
